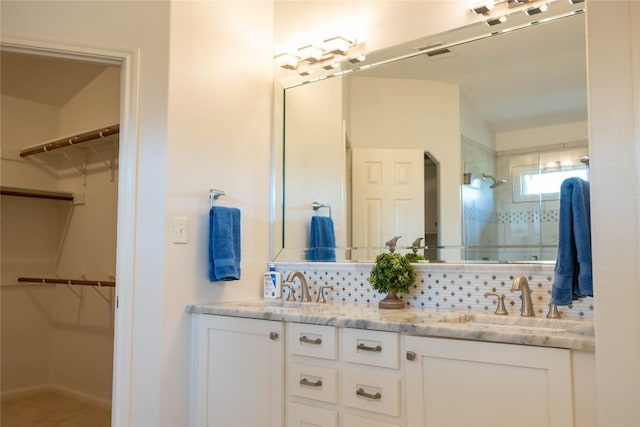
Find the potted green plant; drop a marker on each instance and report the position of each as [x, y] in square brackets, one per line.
[392, 274]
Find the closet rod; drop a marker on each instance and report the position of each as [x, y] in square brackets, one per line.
[38, 194]
[72, 140]
[111, 283]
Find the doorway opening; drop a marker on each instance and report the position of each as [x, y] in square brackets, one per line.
[60, 150]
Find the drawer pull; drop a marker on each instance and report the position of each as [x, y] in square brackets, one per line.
[377, 348]
[306, 382]
[304, 339]
[363, 393]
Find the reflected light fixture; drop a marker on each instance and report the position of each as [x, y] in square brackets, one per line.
[495, 21]
[482, 7]
[536, 10]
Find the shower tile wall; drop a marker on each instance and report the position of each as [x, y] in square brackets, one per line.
[480, 226]
[458, 286]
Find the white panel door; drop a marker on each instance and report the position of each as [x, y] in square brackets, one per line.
[388, 198]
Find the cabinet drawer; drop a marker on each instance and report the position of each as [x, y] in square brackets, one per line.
[349, 420]
[371, 347]
[313, 382]
[312, 340]
[374, 393]
[305, 416]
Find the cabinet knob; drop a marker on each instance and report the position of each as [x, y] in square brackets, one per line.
[273, 336]
[411, 356]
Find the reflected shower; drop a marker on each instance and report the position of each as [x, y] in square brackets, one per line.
[496, 182]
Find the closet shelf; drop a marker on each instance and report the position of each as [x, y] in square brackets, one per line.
[44, 280]
[72, 140]
[39, 194]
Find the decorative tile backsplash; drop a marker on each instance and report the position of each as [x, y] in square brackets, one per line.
[459, 286]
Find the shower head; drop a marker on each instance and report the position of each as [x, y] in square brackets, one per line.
[496, 182]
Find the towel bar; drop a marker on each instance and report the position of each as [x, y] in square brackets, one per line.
[214, 194]
[316, 206]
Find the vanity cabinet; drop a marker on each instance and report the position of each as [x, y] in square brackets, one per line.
[342, 376]
[454, 382]
[238, 372]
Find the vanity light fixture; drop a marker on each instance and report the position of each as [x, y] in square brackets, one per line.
[332, 65]
[329, 52]
[576, 1]
[310, 53]
[305, 71]
[357, 59]
[287, 60]
[338, 45]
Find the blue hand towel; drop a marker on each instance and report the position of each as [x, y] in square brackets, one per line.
[573, 277]
[322, 242]
[224, 244]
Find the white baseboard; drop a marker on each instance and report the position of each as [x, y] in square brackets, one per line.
[55, 388]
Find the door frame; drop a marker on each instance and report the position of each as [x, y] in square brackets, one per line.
[128, 61]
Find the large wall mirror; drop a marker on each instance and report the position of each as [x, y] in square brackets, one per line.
[458, 141]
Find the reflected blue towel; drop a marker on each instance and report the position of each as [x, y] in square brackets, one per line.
[322, 242]
[224, 244]
[573, 278]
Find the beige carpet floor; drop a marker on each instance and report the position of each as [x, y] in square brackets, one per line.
[51, 409]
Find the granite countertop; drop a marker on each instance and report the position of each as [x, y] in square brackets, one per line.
[433, 322]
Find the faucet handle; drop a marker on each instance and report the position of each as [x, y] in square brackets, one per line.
[501, 309]
[553, 311]
[290, 296]
[320, 298]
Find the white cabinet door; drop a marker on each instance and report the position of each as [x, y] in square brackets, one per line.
[466, 383]
[238, 373]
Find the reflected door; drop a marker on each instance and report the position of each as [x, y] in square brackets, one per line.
[388, 198]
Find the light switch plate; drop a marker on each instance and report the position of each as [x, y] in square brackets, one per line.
[180, 230]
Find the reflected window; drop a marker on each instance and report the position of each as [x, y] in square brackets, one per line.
[532, 184]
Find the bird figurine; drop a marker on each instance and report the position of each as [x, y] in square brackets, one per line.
[392, 244]
[416, 244]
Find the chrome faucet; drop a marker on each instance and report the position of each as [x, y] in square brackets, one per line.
[304, 287]
[520, 284]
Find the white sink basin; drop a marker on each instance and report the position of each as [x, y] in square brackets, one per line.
[532, 324]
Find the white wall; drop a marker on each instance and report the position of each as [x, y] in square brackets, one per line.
[314, 167]
[141, 31]
[613, 61]
[528, 138]
[219, 128]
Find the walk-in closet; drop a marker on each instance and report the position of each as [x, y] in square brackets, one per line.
[59, 177]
